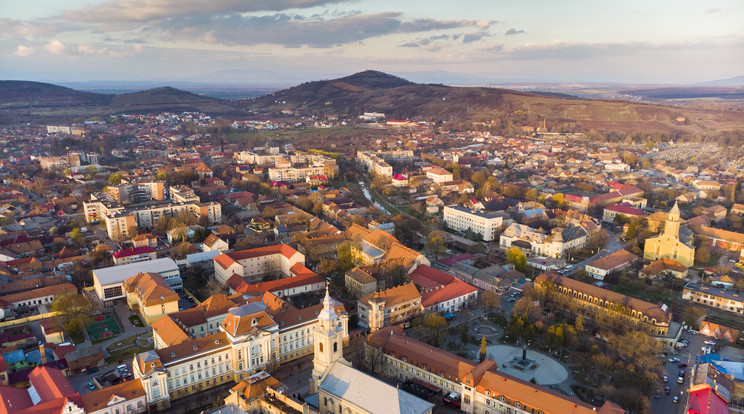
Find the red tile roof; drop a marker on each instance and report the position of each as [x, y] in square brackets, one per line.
[134, 251]
[227, 259]
[455, 289]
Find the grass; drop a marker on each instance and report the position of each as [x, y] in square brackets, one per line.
[126, 350]
[136, 321]
[644, 293]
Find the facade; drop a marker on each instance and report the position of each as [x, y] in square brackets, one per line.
[149, 294]
[390, 307]
[33, 298]
[250, 338]
[714, 297]
[668, 244]
[251, 263]
[376, 164]
[642, 315]
[214, 243]
[560, 242]
[481, 386]
[438, 175]
[485, 224]
[139, 192]
[108, 282]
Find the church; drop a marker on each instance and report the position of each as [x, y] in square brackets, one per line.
[672, 243]
[337, 387]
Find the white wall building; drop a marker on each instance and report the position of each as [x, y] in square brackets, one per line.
[485, 224]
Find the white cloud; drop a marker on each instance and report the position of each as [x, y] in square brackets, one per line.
[137, 48]
[90, 50]
[55, 47]
[24, 51]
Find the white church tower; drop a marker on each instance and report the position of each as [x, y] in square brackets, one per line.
[328, 339]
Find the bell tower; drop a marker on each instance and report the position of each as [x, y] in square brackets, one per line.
[328, 340]
[671, 227]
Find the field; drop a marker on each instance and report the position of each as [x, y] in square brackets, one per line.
[103, 327]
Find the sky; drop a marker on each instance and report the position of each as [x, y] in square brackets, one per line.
[289, 41]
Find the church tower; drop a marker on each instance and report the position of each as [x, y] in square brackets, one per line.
[671, 226]
[328, 340]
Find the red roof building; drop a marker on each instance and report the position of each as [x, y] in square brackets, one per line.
[134, 255]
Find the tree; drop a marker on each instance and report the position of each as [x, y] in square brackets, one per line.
[691, 316]
[162, 176]
[347, 258]
[268, 212]
[435, 244]
[702, 254]
[517, 258]
[115, 179]
[579, 324]
[483, 348]
[75, 310]
[490, 300]
[559, 200]
[531, 194]
[77, 236]
[327, 266]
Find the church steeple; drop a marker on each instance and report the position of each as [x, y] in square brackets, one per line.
[671, 227]
[328, 338]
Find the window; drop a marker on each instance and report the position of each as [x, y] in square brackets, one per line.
[320, 348]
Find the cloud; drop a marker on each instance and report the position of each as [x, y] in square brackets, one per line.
[91, 50]
[152, 10]
[474, 36]
[429, 40]
[513, 31]
[296, 30]
[55, 47]
[714, 10]
[24, 51]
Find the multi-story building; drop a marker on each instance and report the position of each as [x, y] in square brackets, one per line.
[715, 297]
[139, 192]
[593, 301]
[33, 298]
[376, 164]
[149, 294]
[487, 224]
[295, 174]
[108, 282]
[251, 263]
[250, 338]
[438, 175]
[613, 262]
[482, 387]
[390, 307]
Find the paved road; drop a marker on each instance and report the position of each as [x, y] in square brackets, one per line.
[687, 355]
[612, 245]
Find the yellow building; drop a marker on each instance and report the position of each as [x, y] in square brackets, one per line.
[668, 244]
[151, 295]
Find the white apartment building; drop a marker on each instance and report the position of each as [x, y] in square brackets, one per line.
[295, 174]
[439, 175]
[255, 262]
[461, 218]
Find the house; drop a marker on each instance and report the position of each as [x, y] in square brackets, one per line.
[438, 175]
[614, 262]
[714, 297]
[33, 298]
[52, 331]
[363, 280]
[249, 394]
[400, 180]
[134, 255]
[280, 258]
[49, 392]
[716, 212]
[145, 240]
[441, 292]
[214, 243]
[663, 267]
[127, 397]
[622, 209]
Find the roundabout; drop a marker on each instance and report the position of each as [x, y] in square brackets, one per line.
[544, 369]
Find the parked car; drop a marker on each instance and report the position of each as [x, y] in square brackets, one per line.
[673, 360]
[680, 380]
[667, 389]
[91, 386]
[666, 379]
[452, 399]
[676, 399]
[709, 342]
[93, 370]
[682, 365]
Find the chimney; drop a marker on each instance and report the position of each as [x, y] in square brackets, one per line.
[43, 354]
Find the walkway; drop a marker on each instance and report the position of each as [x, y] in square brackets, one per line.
[548, 371]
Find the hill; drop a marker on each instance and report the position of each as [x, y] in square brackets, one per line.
[19, 94]
[400, 99]
[24, 101]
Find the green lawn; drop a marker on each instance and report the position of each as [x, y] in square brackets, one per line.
[136, 321]
[646, 293]
[124, 352]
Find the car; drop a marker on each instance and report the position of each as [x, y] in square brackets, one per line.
[127, 374]
[682, 365]
[511, 299]
[692, 331]
[680, 380]
[93, 370]
[667, 389]
[676, 399]
[709, 342]
[657, 395]
[672, 360]
[91, 386]
[666, 379]
[452, 399]
[682, 373]
[121, 368]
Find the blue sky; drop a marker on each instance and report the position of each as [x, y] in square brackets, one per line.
[284, 41]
